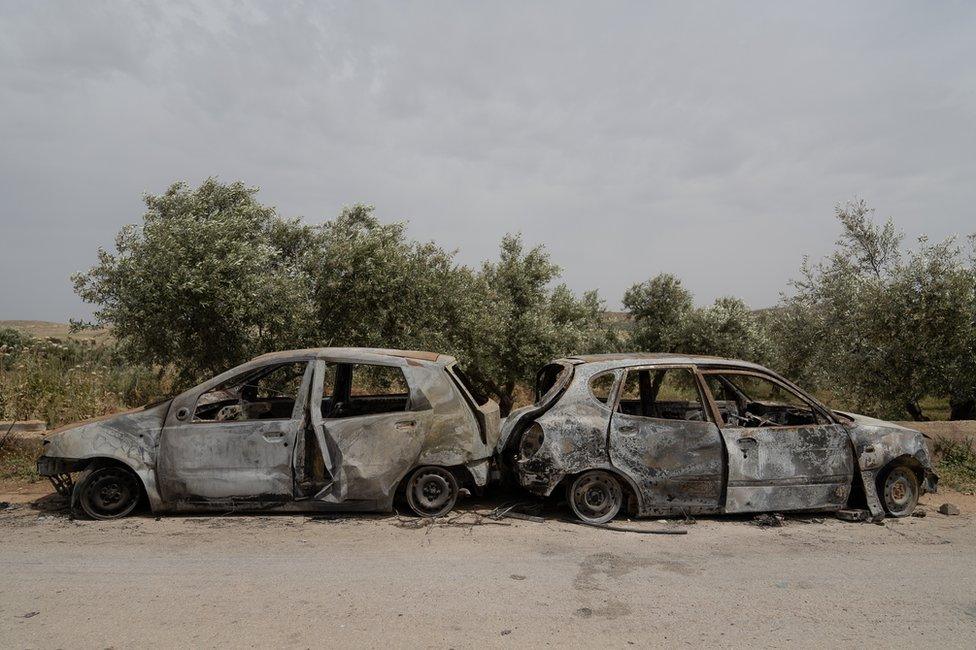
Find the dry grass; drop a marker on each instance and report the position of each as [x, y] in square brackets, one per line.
[956, 464]
[18, 459]
[63, 382]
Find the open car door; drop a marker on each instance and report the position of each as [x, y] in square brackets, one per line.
[784, 451]
[364, 434]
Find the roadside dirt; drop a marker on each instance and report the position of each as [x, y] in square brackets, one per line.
[369, 580]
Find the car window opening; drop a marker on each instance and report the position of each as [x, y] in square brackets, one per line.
[551, 379]
[665, 394]
[752, 401]
[266, 393]
[358, 389]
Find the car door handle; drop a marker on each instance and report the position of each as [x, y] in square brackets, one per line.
[403, 425]
[627, 428]
[747, 443]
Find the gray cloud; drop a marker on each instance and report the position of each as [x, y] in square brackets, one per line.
[707, 139]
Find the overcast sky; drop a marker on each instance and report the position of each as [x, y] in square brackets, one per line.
[708, 140]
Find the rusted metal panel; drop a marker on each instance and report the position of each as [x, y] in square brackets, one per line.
[788, 468]
[672, 465]
[676, 465]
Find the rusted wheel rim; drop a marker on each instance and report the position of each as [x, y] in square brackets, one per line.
[596, 497]
[900, 493]
[432, 491]
[109, 493]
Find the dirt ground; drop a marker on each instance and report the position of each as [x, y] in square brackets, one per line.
[371, 580]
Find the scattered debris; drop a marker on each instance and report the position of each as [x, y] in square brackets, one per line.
[508, 510]
[516, 576]
[31, 614]
[769, 520]
[949, 509]
[506, 632]
[853, 515]
[463, 520]
[326, 518]
[6, 505]
[622, 529]
[920, 512]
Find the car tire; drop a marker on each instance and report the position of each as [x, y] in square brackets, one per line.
[898, 491]
[108, 493]
[595, 496]
[431, 491]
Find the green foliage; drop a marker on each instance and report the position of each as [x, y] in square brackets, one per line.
[660, 307]
[882, 327]
[210, 277]
[665, 320]
[956, 463]
[529, 321]
[18, 460]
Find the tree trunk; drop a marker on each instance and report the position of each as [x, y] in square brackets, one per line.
[505, 403]
[962, 409]
[915, 411]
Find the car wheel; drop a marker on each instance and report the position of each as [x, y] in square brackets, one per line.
[109, 493]
[432, 491]
[595, 496]
[898, 489]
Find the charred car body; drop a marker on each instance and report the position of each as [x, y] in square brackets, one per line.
[672, 434]
[319, 429]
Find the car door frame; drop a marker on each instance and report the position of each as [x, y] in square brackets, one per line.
[336, 437]
[668, 489]
[746, 490]
[191, 487]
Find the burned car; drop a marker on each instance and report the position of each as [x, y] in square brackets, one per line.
[310, 430]
[678, 435]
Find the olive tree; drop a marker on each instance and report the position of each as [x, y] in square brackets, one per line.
[882, 327]
[207, 279]
[666, 320]
[531, 320]
[211, 277]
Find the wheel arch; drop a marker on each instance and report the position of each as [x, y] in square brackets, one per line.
[907, 460]
[145, 477]
[633, 502]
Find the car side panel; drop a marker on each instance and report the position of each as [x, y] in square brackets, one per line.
[676, 464]
[788, 468]
[575, 431]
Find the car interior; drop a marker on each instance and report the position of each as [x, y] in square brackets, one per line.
[267, 393]
[746, 400]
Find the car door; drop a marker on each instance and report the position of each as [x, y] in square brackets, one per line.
[661, 436]
[369, 426]
[232, 439]
[784, 451]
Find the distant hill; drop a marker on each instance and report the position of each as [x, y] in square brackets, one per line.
[43, 329]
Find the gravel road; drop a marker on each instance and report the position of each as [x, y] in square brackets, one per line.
[295, 581]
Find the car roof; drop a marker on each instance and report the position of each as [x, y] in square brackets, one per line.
[622, 359]
[360, 355]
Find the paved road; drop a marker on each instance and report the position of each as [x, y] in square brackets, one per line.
[365, 580]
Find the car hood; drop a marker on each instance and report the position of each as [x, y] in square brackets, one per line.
[867, 421]
[130, 433]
